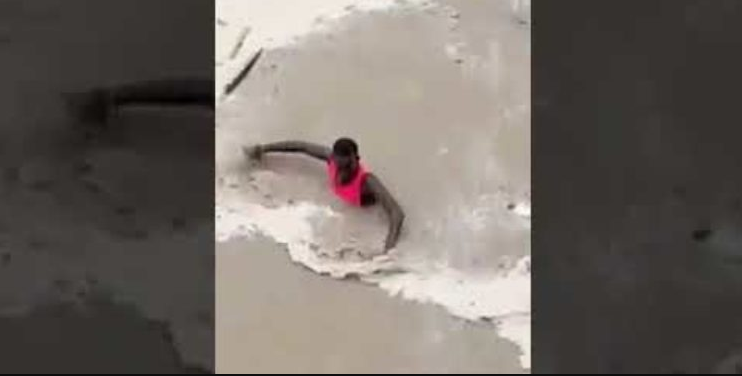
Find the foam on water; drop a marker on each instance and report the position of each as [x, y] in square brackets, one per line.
[500, 297]
[275, 24]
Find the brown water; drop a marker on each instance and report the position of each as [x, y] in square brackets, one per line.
[439, 100]
[276, 317]
[450, 140]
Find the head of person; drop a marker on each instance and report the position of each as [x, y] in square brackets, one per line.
[345, 155]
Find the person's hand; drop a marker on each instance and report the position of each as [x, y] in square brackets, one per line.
[253, 153]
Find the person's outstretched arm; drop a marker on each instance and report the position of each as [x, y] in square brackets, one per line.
[310, 149]
[391, 207]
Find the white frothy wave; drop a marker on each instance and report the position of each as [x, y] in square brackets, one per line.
[502, 298]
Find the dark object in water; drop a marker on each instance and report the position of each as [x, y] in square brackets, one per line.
[352, 277]
[241, 41]
[243, 73]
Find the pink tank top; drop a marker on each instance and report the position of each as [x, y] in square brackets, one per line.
[351, 192]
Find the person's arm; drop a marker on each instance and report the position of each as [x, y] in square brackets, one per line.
[391, 207]
[310, 149]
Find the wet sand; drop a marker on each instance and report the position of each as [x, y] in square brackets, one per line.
[274, 316]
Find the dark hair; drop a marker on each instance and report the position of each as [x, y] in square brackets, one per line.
[345, 147]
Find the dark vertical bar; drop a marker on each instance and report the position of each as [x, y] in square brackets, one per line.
[637, 241]
[106, 187]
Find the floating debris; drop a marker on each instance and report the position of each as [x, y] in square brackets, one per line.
[240, 42]
[243, 73]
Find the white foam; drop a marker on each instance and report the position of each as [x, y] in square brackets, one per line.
[290, 225]
[523, 209]
[284, 224]
[517, 329]
[276, 24]
[502, 297]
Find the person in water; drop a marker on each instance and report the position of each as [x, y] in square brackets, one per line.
[348, 178]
